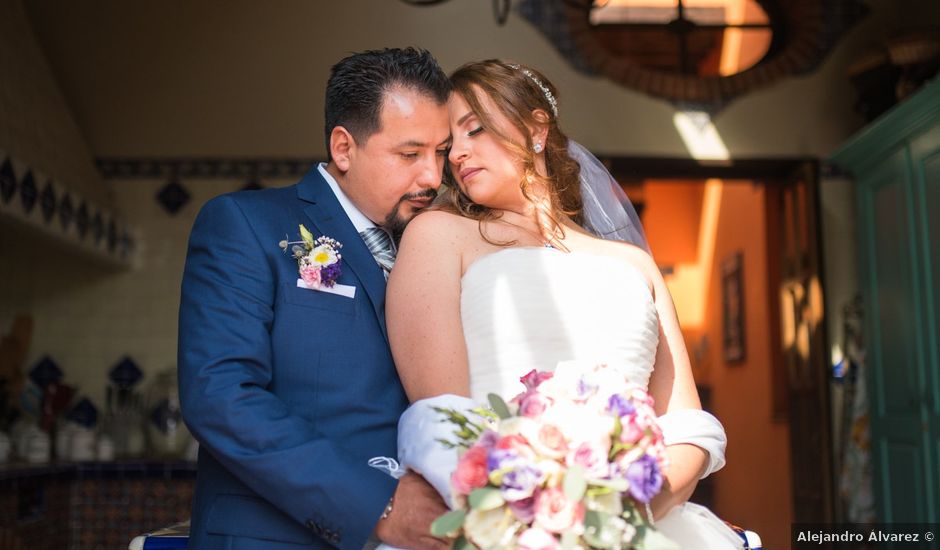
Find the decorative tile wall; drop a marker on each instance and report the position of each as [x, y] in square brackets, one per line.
[89, 314]
[83, 225]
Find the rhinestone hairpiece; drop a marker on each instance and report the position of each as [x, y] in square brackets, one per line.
[549, 96]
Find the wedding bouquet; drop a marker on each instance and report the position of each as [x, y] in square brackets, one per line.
[568, 463]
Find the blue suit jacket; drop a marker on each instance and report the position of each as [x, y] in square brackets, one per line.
[288, 390]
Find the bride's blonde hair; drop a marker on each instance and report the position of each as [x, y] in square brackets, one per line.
[518, 91]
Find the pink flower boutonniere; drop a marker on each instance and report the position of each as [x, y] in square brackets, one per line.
[317, 259]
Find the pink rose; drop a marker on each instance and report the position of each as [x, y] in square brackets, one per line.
[555, 513]
[551, 442]
[311, 276]
[592, 455]
[516, 442]
[471, 471]
[533, 378]
[537, 539]
[631, 431]
[533, 404]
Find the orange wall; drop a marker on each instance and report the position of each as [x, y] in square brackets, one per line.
[753, 490]
[671, 217]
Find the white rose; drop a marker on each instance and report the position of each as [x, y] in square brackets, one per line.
[491, 528]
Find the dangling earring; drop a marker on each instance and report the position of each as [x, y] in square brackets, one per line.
[537, 148]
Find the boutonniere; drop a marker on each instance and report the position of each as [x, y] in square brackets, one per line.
[317, 259]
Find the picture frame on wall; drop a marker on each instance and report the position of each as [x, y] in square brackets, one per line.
[732, 306]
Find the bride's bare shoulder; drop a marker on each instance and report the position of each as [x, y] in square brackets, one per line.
[639, 258]
[438, 226]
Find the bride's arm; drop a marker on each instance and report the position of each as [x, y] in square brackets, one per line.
[673, 389]
[422, 308]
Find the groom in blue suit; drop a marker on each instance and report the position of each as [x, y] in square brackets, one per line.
[290, 388]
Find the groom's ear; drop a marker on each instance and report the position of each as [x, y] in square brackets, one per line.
[341, 146]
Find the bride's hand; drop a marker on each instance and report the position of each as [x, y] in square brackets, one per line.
[415, 506]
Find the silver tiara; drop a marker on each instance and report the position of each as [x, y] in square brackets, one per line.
[549, 96]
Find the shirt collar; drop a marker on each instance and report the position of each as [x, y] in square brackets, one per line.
[358, 219]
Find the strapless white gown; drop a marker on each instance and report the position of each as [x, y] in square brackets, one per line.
[527, 308]
[530, 308]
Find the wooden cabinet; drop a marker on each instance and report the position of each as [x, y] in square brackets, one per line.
[895, 163]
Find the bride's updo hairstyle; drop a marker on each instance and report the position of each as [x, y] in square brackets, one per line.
[526, 99]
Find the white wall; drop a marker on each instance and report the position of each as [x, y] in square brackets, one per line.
[247, 77]
[36, 125]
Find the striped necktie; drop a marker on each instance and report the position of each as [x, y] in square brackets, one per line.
[380, 245]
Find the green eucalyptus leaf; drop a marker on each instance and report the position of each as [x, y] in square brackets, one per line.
[593, 518]
[574, 484]
[499, 406]
[448, 524]
[485, 498]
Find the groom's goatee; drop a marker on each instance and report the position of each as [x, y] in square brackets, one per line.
[394, 223]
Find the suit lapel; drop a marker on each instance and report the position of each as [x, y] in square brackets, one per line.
[329, 218]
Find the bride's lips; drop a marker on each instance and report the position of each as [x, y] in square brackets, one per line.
[468, 173]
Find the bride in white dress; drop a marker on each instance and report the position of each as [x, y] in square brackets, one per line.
[503, 280]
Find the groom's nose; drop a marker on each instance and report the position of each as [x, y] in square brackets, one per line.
[430, 172]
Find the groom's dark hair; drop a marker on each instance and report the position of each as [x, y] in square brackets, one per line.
[357, 86]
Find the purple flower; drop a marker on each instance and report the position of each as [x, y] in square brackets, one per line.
[523, 509]
[520, 483]
[488, 439]
[645, 478]
[502, 458]
[586, 388]
[329, 274]
[620, 405]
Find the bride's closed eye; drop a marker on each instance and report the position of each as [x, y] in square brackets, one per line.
[475, 131]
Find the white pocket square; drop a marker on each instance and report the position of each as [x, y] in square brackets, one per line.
[348, 291]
